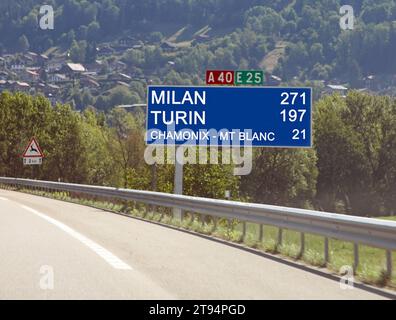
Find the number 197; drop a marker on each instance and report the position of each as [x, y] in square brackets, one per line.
[293, 115]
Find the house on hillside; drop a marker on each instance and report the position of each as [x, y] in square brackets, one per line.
[3, 75]
[124, 77]
[31, 75]
[21, 86]
[88, 82]
[120, 66]
[372, 82]
[127, 41]
[3, 85]
[42, 60]
[73, 70]
[55, 64]
[2, 63]
[17, 66]
[336, 88]
[272, 80]
[51, 89]
[39, 86]
[95, 66]
[105, 51]
[31, 58]
[122, 83]
[56, 77]
[168, 46]
[116, 66]
[200, 38]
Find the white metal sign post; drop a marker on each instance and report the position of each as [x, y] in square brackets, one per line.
[178, 183]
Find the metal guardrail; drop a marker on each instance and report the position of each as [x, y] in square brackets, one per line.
[358, 230]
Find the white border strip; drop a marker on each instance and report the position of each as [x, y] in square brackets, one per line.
[110, 258]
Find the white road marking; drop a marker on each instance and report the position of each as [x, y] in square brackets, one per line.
[110, 258]
[4, 199]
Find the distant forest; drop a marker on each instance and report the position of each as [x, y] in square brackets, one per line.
[317, 47]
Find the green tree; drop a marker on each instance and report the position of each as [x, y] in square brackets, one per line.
[282, 177]
[127, 149]
[352, 139]
[78, 51]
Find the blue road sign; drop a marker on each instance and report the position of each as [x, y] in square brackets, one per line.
[257, 116]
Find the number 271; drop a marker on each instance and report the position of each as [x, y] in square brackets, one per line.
[289, 98]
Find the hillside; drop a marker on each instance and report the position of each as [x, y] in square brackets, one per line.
[133, 43]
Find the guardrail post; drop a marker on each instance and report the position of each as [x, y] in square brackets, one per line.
[389, 266]
[202, 220]
[280, 237]
[355, 257]
[326, 251]
[243, 230]
[302, 244]
[145, 212]
[229, 228]
[261, 232]
[192, 218]
[214, 224]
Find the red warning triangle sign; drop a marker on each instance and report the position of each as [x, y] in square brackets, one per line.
[33, 150]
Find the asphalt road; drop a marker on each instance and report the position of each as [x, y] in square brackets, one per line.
[51, 249]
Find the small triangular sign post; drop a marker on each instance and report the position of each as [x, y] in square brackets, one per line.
[33, 150]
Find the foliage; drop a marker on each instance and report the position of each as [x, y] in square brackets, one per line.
[282, 177]
[354, 139]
